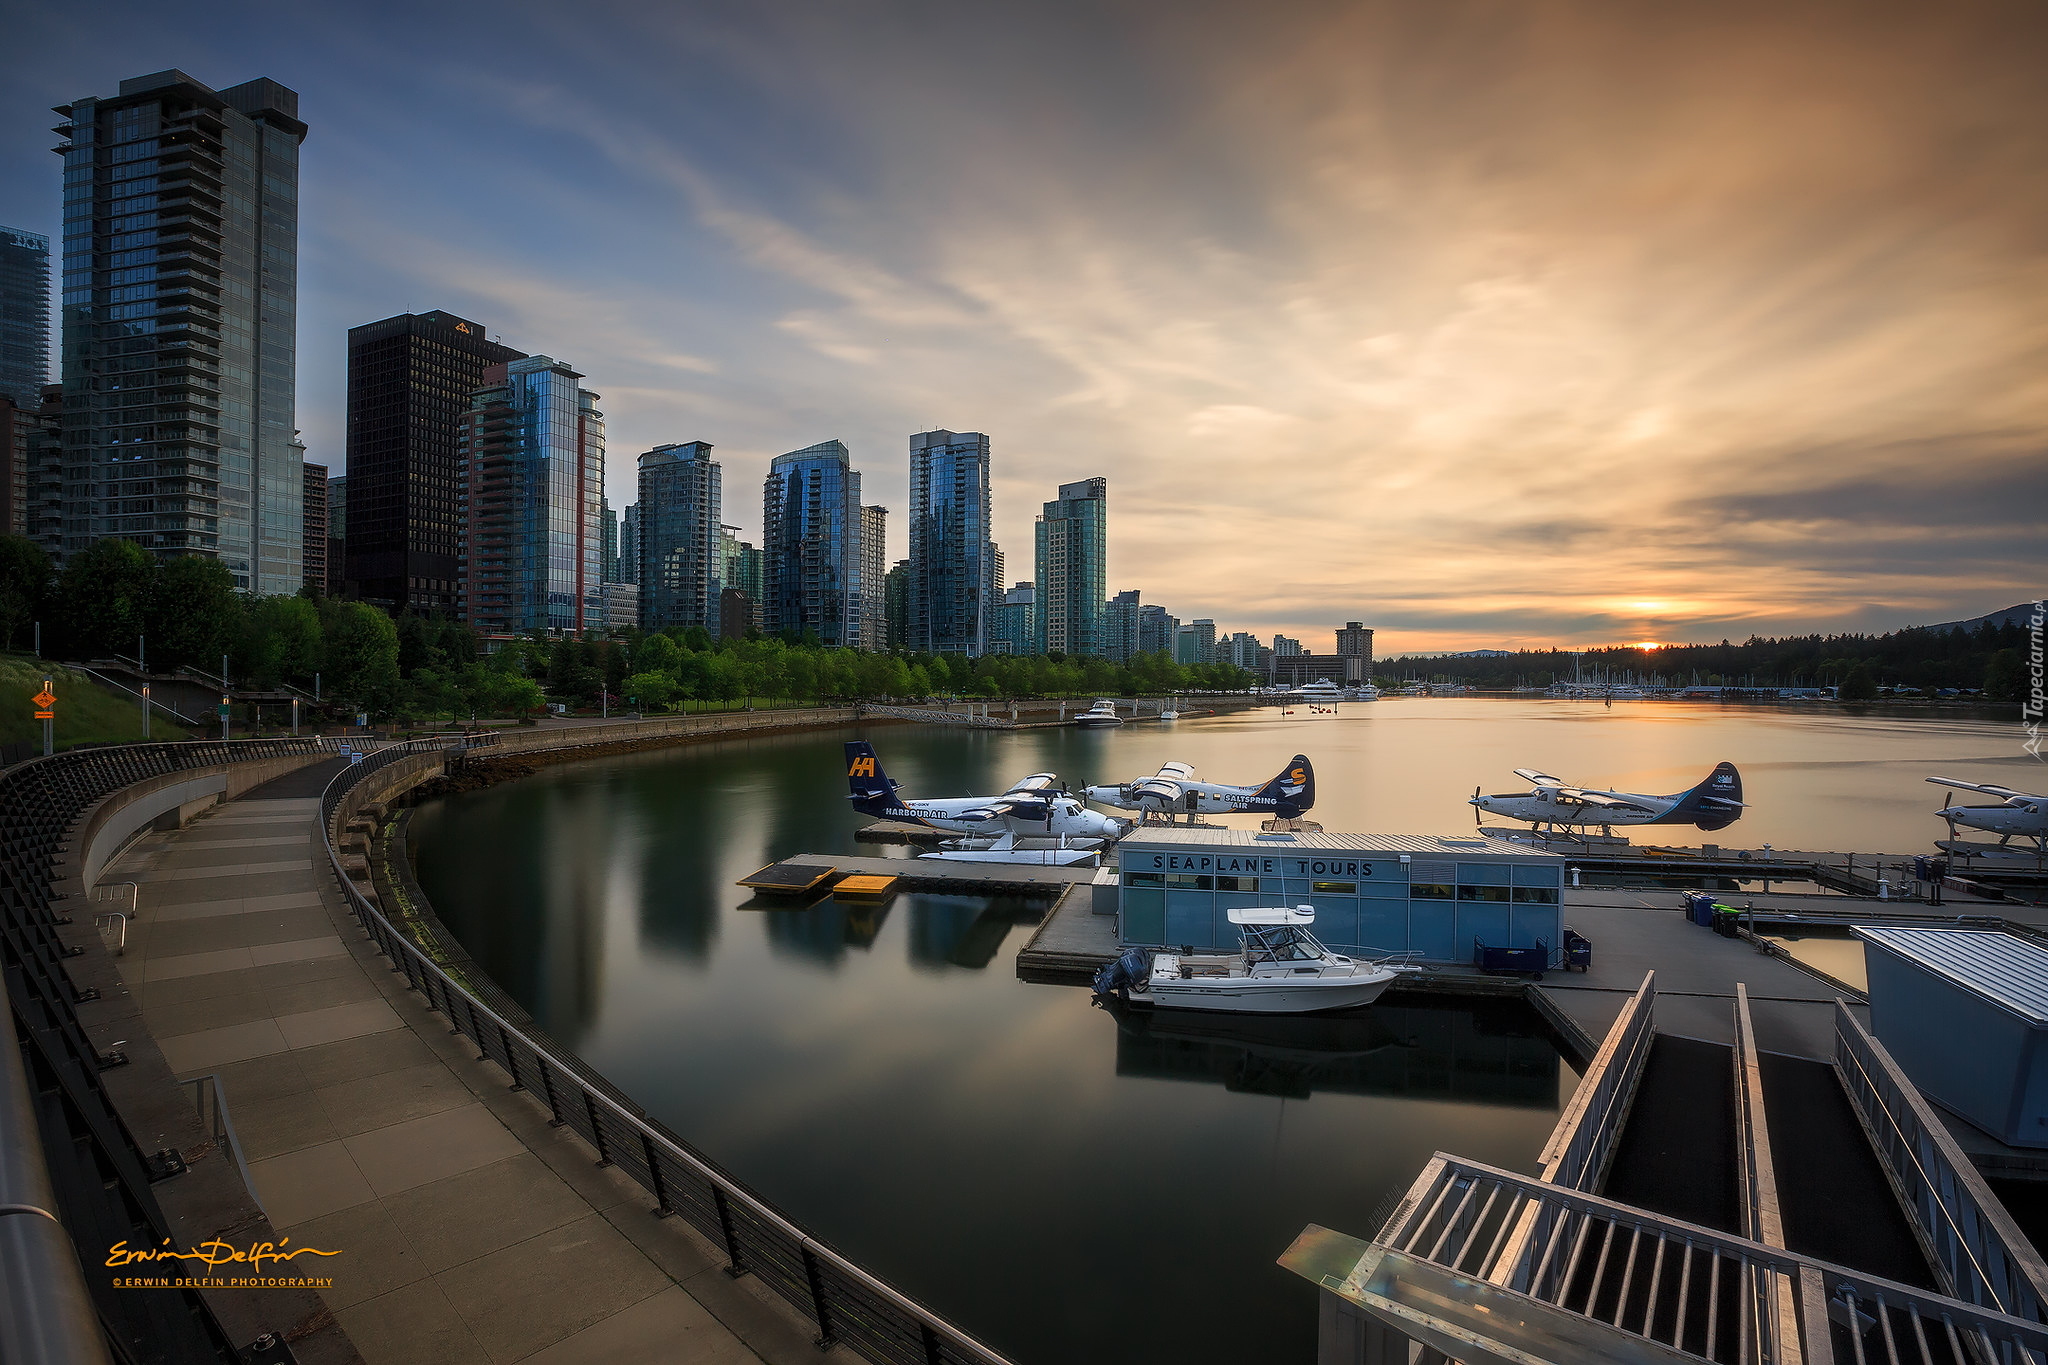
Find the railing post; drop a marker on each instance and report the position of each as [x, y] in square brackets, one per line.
[511, 1058]
[604, 1154]
[825, 1338]
[653, 1160]
[734, 1266]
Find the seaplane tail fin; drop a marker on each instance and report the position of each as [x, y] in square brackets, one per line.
[870, 787]
[1714, 804]
[1293, 790]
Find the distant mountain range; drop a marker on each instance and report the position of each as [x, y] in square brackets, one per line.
[2011, 616]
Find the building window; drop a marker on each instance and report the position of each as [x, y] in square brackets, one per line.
[1483, 893]
[1237, 883]
[1333, 888]
[1535, 895]
[1430, 891]
[1181, 881]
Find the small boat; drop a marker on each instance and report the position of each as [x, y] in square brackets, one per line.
[1279, 968]
[1321, 690]
[1099, 716]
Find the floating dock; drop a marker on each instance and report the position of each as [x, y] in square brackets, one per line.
[789, 879]
[919, 874]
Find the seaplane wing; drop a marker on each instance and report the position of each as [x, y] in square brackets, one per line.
[1037, 782]
[1987, 788]
[1530, 775]
[1177, 772]
[1602, 800]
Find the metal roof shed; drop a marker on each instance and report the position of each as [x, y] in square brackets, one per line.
[1965, 1012]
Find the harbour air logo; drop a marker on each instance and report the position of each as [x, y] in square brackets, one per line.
[864, 766]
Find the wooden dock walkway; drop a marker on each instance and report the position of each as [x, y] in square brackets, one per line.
[918, 874]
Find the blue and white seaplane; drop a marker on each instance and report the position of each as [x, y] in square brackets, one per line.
[1173, 790]
[1035, 821]
[1553, 806]
[2017, 813]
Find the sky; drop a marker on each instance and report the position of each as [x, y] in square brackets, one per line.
[1489, 323]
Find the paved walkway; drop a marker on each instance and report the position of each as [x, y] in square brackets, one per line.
[471, 1231]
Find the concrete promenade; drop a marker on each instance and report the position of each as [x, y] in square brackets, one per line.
[470, 1230]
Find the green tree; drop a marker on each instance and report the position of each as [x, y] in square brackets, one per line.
[1858, 685]
[103, 598]
[652, 691]
[194, 613]
[24, 582]
[362, 656]
[2003, 677]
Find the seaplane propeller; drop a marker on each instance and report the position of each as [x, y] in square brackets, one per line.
[1477, 823]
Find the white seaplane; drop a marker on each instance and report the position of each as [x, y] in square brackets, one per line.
[1552, 805]
[2017, 813]
[1173, 790]
[1033, 817]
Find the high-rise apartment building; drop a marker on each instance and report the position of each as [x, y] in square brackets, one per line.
[1283, 647]
[337, 535]
[741, 574]
[1015, 629]
[952, 561]
[313, 527]
[1195, 642]
[180, 323]
[24, 316]
[1354, 641]
[410, 382]
[531, 457]
[681, 565]
[1120, 626]
[1157, 631]
[609, 524]
[1072, 542]
[810, 544]
[1239, 648]
[874, 570]
[629, 545]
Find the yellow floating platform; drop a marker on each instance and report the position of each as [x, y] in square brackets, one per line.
[863, 887]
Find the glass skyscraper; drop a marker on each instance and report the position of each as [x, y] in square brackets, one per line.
[1014, 630]
[682, 566]
[952, 561]
[180, 322]
[24, 316]
[811, 544]
[1120, 626]
[874, 571]
[532, 452]
[1072, 544]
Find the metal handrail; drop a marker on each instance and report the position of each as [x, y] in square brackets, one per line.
[1591, 1253]
[99, 921]
[1979, 1249]
[849, 1305]
[46, 1311]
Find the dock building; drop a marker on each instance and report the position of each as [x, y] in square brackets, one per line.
[1373, 894]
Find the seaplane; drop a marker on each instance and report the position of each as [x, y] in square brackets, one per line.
[1173, 790]
[1036, 807]
[2017, 813]
[1553, 807]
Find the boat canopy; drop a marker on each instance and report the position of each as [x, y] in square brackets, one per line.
[1274, 914]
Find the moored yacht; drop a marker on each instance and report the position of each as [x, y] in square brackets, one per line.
[1099, 716]
[1279, 968]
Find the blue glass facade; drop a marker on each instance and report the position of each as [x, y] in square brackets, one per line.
[1438, 901]
[180, 324]
[953, 587]
[682, 560]
[811, 545]
[1072, 545]
[24, 316]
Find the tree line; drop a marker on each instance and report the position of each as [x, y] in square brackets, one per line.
[115, 594]
[1987, 657]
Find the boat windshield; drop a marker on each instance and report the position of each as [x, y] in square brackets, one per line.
[1280, 943]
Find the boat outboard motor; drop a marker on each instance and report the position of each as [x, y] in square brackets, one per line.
[1116, 978]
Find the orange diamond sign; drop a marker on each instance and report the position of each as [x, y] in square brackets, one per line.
[44, 699]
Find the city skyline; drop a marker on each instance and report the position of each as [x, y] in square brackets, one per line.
[1755, 354]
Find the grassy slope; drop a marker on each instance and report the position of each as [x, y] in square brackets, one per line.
[86, 712]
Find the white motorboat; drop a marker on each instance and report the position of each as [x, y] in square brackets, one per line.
[1099, 716]
[1322, 690]
[1279, 968]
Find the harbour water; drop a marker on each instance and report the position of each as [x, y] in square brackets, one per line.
[1063, 1184]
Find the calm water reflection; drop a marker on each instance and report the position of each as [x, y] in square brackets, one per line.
[1042, 1172]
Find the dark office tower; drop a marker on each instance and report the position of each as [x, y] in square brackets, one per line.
[1156, 630]
[410, 379]
[681, 568]
[1072, 542]
[180, 314]
[24, 316]
[17, 428]
[896, 603]
[810, 544]
[629, 545]
[1354, 643]
[314, 520]
[610, 526]
[874, 571]
[337, 536]
[531, 457]
[952, 584]
[46, 471]
[1120, 626]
